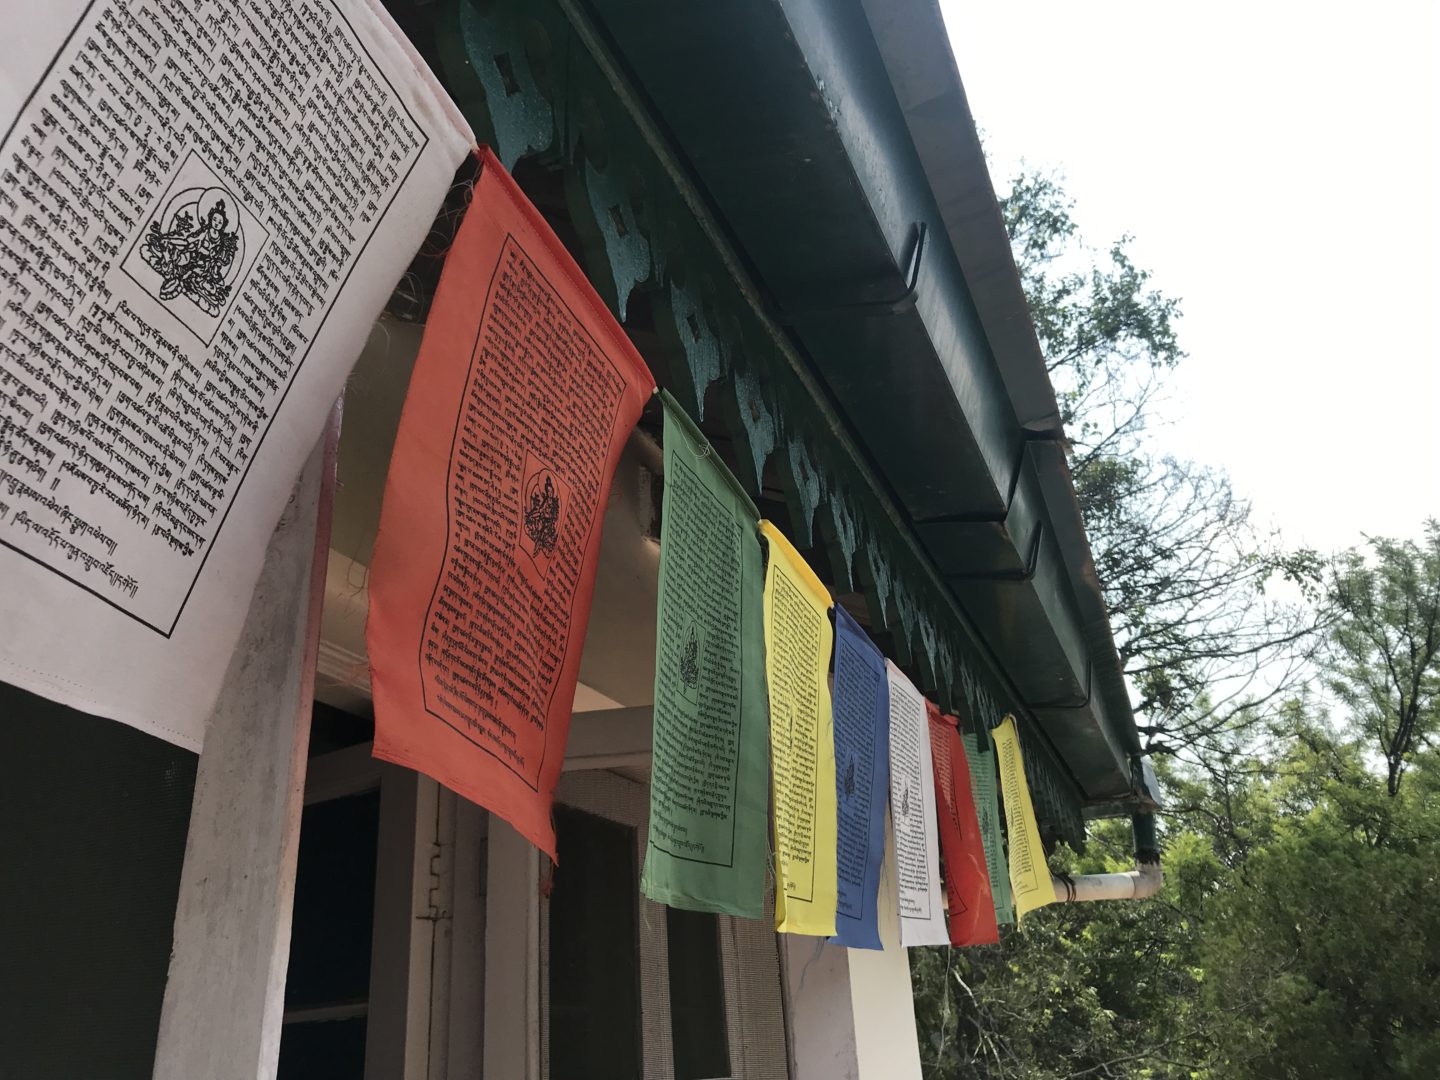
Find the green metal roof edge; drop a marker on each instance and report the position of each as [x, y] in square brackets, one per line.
[648, 225]
[931, 93]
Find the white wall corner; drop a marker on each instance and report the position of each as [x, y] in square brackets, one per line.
[818, 1005]
[886, 1044]
[224, 996]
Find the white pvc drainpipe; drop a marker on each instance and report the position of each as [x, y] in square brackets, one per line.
[1139, 884]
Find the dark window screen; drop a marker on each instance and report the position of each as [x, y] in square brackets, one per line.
[594, 1019]
[93, 816]
[330, 939]
[334, 902]
[697, 995]
[323, 1050]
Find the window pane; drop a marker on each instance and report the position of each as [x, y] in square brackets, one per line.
[323, 1050]
[334, 729]
[334, 902]
[594, 1016]
[93, 816]
[697, 995]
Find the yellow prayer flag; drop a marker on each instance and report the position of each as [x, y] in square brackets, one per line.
[798, 641]
[1029, 875]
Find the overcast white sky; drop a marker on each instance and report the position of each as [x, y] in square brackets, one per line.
[1279, 167]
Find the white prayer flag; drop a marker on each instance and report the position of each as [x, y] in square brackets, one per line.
[912, 813]
[203, 207]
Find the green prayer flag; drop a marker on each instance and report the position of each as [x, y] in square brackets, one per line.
[987, 809]
[709, 781]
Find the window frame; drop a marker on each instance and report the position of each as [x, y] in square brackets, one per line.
[516, 931]
[427, 936]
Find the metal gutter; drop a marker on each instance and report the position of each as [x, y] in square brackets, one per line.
[622, 82]
[828, 148]
[915, 48]
[913, 44]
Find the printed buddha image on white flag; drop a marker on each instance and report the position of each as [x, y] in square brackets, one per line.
[203, 208]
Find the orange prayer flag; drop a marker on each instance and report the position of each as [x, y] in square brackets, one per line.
[967, 876]
[522, 398]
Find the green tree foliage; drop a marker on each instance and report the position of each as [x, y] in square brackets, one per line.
[1297, 933]
[1098, 990]
[1183, 567]
[1386, 643]
[1296, 936]
[1320, 949]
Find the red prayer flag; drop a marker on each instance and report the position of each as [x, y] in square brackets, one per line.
[967, 877]
[522, 398]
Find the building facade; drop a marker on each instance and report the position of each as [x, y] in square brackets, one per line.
[785, 204]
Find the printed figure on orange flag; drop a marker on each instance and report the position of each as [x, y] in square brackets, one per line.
[967, 877]
[522, 398]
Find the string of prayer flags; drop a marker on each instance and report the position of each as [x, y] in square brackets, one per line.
[522, 398]
[987, 811]
[967, 879]
[709, 774]
[1030, 880]
[912, 812]
[861, 706]
[181, 312]
[798, 640]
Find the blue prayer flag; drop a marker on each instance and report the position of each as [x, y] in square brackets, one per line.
[861, 706]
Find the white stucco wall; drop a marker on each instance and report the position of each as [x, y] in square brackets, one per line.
[886, 1045]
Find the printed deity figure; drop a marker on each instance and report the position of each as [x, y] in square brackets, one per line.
[542, 516]
[193, 259]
